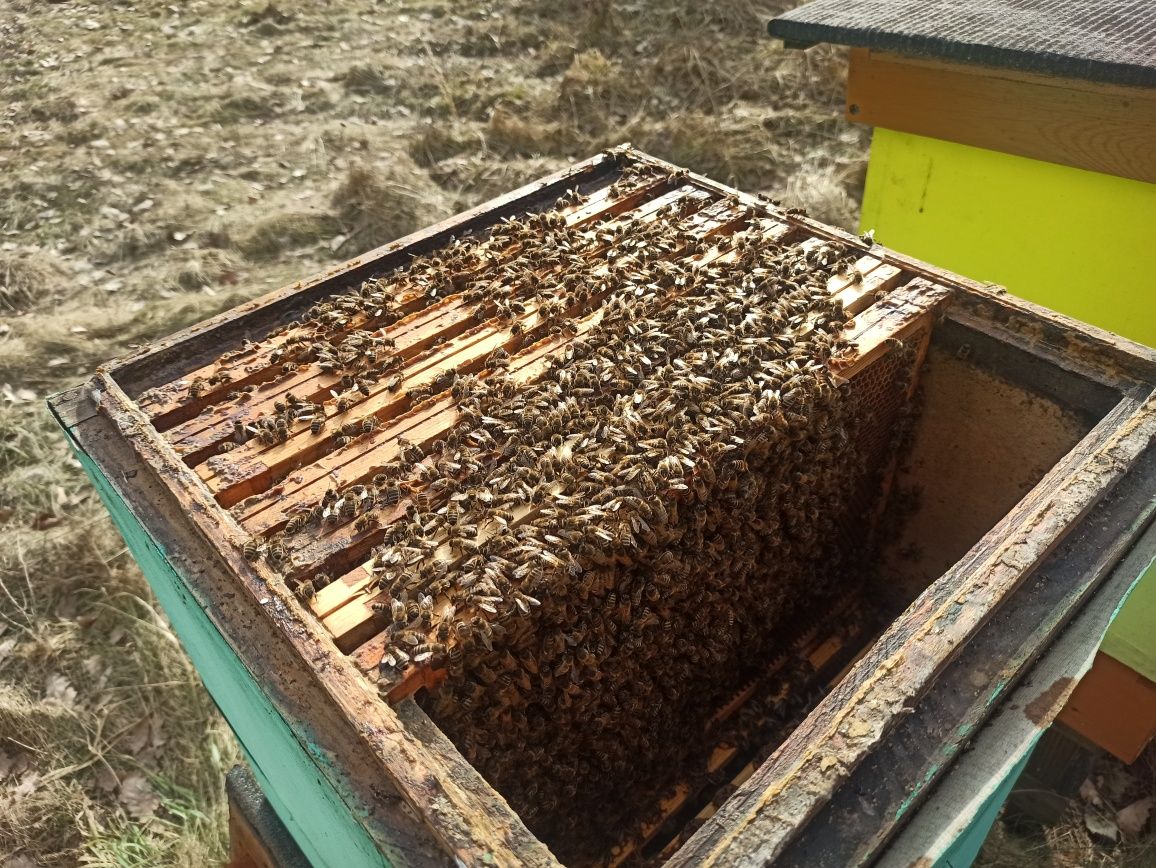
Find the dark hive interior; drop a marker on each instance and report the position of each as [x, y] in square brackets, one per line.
[600, 480]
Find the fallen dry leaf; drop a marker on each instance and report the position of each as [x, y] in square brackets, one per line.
[1089, 793]
[106, 779]
[1100, 825]
[1132, 819]
[46, 520]
[136, 738]
[57, 688]
[28, 785]
[1115, 782]
[138, 796]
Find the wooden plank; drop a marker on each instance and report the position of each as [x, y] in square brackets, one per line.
[982, 775]
[249, 468]
[978, 677]
[1100, 128]
[303, 769]
[473, 825]
[902, 313]
[417, 333]
[1094, 709]
[358, 462]
[761, 819]
[169, 404]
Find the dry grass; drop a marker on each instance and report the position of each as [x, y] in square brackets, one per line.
[1015, 843]
[381, 202]
[30, 280]
[109, 746]
[250, 145]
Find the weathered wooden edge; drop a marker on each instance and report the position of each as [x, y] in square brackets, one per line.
[981, 776]
[924, 744]
[149, 365]
[472, 824]
[784, 794]
[288, 741]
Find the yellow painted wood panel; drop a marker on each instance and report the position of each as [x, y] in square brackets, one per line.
[1080, 242]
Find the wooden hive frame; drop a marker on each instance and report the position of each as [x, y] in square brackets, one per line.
[395, 790]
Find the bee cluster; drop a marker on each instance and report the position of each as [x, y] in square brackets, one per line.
[599, 556]
[670, 493]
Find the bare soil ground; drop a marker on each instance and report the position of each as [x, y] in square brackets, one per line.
[161, 162]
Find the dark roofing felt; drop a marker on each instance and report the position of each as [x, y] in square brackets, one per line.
[1099, 40]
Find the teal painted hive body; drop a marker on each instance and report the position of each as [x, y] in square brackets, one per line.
[320, 821]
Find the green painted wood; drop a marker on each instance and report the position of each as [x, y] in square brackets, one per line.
[1132, 636]
[322, 824]
[1075, 241]
[966, 847]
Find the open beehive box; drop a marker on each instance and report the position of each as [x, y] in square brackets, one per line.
[624, 519]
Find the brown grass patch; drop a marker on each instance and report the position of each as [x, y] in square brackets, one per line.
[379, 202]
[280, 231]
[31, 280]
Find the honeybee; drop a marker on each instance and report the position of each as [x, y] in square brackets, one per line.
[254, 547]
[305, 591]
[366, 521]
[427, 650]
[425, 610]
[297, 522]
[276, 554]
[389, 494]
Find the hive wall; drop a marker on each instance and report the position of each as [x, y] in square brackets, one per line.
[575, 474]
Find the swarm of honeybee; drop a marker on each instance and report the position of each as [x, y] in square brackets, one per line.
[598, 557]
[619, 540]
[497, 274]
